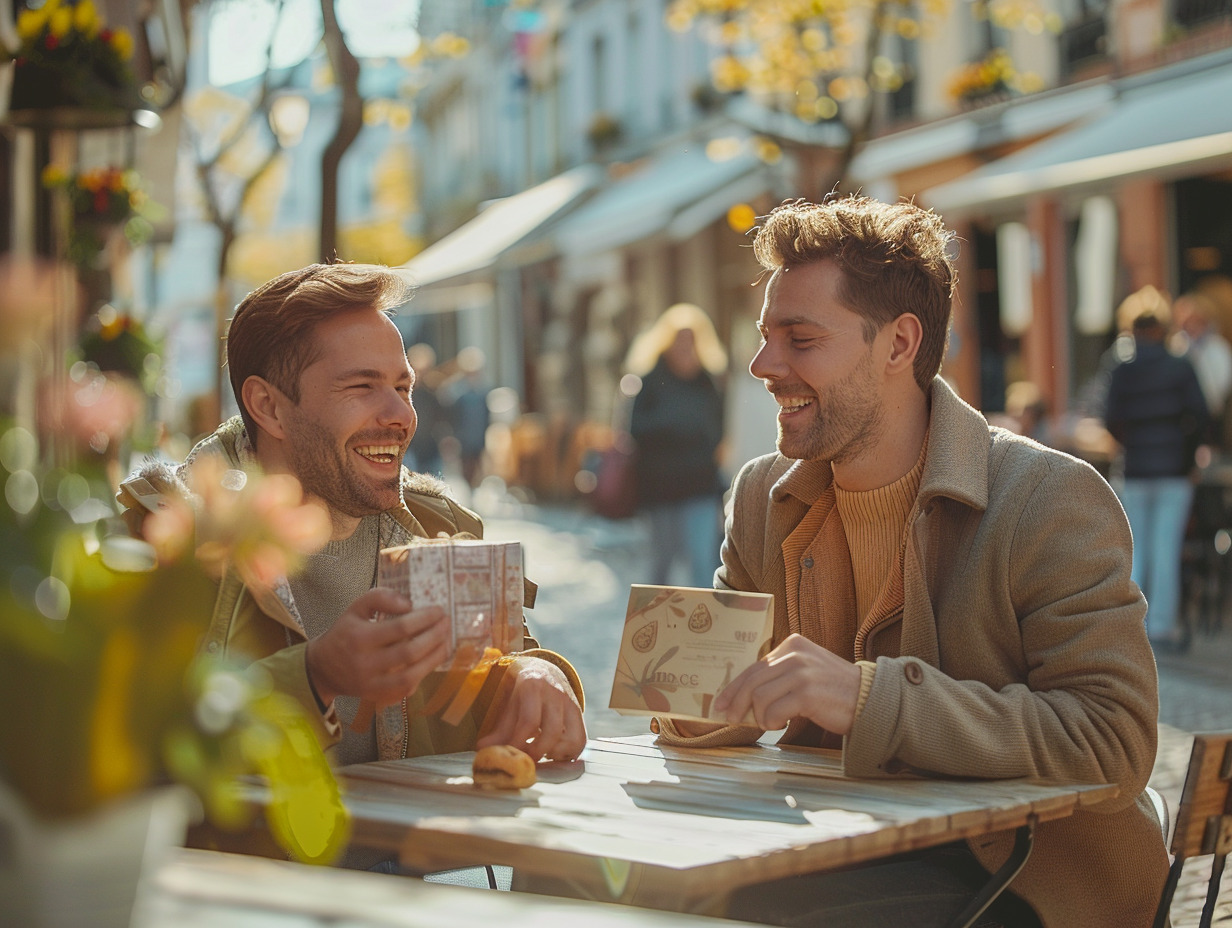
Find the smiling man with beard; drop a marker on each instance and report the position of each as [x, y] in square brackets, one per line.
[951, 599]
[324, 390]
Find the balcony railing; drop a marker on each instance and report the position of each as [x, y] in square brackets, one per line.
[1084, 42]
[1190, 13]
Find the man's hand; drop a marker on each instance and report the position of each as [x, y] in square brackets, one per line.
[382, 661]
[539, 713]
[798, 679]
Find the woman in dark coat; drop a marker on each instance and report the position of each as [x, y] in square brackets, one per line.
[677, 423]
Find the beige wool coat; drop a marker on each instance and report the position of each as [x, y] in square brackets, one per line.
[1020, 650]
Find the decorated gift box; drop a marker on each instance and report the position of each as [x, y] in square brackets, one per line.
[477, 583]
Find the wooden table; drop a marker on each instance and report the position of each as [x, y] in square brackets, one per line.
[672, 828]
[207, 889]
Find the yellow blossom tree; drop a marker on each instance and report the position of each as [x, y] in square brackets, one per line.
[830, 60]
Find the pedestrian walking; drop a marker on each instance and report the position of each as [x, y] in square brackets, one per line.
[1156, 410]
[677, 423]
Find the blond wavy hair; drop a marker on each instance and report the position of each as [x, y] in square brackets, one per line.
[649, 346]
[1146, 301]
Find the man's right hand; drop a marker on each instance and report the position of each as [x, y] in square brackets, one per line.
[381, 661]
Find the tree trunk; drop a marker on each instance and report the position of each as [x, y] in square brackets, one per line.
[350, 121]
[222, 311]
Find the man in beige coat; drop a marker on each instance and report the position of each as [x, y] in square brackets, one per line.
[951, 600]
[324, 390]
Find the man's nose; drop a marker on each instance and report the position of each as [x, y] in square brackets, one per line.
[765, 364]
[397, 410]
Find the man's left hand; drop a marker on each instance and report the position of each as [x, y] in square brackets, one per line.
[539, 714]
[797, 679]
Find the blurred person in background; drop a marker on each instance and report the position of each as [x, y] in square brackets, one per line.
[466, 403]
[1156, 410]
[424, 453]
[1197, 339]
[677, 423]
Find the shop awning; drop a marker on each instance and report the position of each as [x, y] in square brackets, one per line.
[942, 139]
[675, 193]
[479, 243]
[1167, 128]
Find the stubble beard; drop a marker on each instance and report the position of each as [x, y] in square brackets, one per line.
[326, 473]
[846, 421]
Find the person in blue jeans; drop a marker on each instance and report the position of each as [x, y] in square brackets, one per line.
[677, 423]
[1157, 411]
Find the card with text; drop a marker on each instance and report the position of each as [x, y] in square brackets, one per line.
[682, 645]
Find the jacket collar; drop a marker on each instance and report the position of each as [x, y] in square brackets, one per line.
[955, 463]
[398, 525]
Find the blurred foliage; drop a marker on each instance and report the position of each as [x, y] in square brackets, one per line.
[66, 54]
[100, 631]
[814, 59]
[113, 341]
[100, 201]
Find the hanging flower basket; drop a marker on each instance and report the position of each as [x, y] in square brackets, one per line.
[102, 202]
[69, 70]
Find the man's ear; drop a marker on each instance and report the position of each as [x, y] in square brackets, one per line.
[906, 333]
[266, 404]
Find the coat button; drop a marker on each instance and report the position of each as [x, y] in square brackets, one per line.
[808, 562]
[212, 647]
[913, 672]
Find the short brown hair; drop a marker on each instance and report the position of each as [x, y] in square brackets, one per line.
[271, 332]
[894, 258]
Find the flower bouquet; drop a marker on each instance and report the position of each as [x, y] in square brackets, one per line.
[68, 59]
[100, 201]
[108, 700]
[991, 78]
[117, 342]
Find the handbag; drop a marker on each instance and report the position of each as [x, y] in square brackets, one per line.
[615, 492]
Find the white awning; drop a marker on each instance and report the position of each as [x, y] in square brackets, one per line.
[1166, 128]
[479, 243]
[960, 135]
[672, 194]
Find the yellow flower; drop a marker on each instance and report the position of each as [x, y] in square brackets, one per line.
[85, 18]
[30, 23]
[53, 175]
[61, 22]
[122, 42]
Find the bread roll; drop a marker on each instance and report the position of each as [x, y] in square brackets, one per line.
[500, 766]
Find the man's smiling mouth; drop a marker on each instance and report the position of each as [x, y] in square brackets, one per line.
[380, 454]
[790, 404]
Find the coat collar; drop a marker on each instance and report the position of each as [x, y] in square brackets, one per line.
[955, 464]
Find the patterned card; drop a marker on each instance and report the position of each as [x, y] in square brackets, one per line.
[682, 645]
[478, 583]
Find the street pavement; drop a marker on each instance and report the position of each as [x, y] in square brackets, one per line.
[584, 565]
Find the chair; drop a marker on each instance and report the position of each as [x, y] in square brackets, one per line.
[1203, 819]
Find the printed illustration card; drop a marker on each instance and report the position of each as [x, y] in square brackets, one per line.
[478, 583]
[682, 645]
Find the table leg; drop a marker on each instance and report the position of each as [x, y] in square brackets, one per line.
[1024, 839]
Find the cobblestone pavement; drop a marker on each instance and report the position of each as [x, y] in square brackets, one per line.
[584, 565]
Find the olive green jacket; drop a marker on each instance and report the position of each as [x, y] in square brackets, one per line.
[263, 627]
[1020, 650]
